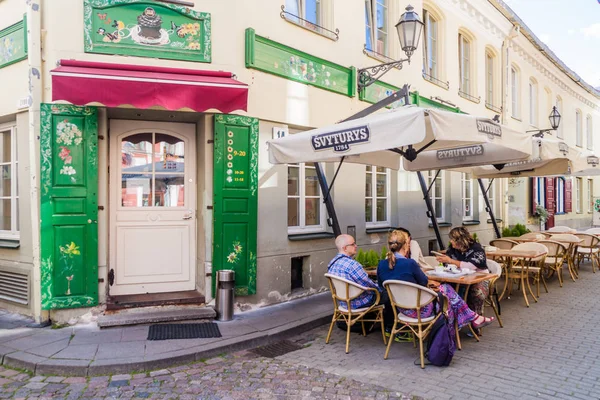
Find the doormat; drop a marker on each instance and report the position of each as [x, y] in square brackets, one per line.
[276, 349]
[183, 331]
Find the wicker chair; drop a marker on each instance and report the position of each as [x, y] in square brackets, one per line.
[571, 248]
[345, 290]
[533, 236]
[588, 249]
[495, 269]
[410, 296]
[561, 229]
[556, 257]
[504, 244]
[528, 267]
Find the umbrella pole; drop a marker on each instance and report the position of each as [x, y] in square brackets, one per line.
[332, 220]
[488, 206]
[430, 211]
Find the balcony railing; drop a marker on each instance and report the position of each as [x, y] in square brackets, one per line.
[467, 96]
[492, 107]
[435, 81]
[306, 24]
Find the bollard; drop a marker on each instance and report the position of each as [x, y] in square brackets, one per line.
[224, 297]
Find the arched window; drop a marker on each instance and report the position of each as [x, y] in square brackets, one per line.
[464, 60]
[515, 92]
[533, 102]
[559, 131]
[578, 129]
[490, 80]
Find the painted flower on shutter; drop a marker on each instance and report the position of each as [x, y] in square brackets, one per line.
[231, 258]
[68, 133]
[65, 155]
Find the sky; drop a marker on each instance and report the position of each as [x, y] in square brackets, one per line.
[571, 28]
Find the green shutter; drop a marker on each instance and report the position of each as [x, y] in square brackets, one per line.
[69, 208]
[235, 199]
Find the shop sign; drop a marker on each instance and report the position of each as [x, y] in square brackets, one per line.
[341, 141]
[278, 59]
[13, 44]
[147, 29]
[461, 153]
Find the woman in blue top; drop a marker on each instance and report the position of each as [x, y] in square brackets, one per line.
[398, 267]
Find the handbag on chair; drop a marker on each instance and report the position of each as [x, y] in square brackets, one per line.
[441, 344]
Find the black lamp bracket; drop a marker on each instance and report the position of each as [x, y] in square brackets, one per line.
[367, 76]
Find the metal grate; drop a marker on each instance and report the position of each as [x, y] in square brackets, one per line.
[276, 349]
[14, 287]
[183, 331]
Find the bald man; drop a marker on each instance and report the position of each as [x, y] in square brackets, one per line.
[345, 266]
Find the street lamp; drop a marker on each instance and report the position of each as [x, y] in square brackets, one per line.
[554, 118]
[409, 29]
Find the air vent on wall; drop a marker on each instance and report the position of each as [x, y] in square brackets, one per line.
[14, 287]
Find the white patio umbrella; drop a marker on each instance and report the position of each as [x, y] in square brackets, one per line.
[549, 157]
[413, 132]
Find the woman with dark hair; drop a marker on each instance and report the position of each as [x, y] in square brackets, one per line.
[466, 253]
[396, 266]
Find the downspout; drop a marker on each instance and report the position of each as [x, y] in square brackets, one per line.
[34, 57]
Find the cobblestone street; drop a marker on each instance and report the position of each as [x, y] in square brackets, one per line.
[550, 350]
[242, 375]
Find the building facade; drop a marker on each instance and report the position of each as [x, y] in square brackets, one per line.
[135, 157]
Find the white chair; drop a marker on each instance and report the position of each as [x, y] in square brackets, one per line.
[410, 296]
[527, 266]
[561, 229]
[343, 290]
[431, 261]
[588, 248]
[495, 269]
[593, 231]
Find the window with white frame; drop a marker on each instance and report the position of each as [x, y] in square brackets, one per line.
[590, 189]
[9, 191]
[464, 58]
[560, 195]
[559, 131]
[514, 91]
[377, 196]
[467, 196]
[588, 130]
[315, 13]
[489, 78]
[376, 26]
[541, 192]
[491, 195]
[578, 129]
[430, 48]
[305, 202]
[436, 194]
[578, 195]
[533, 102]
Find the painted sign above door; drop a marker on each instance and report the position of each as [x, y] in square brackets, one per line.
[147, 29]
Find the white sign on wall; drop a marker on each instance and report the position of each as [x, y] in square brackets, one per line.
[279, 132]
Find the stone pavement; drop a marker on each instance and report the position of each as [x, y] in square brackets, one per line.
[550, 350]
[87, 350]
[241, 375]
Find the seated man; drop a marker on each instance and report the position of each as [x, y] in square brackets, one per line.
[345, 266]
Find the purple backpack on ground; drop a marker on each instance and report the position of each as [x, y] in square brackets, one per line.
[441, 345]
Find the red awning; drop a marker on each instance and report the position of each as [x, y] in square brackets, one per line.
[82, 82]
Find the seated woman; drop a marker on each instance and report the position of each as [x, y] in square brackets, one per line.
[398, 267]
[415, 250]
[465, 252]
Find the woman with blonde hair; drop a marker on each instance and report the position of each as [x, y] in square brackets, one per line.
[396, 266]
[466, 253]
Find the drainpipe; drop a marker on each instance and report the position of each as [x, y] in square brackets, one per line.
[34, 57]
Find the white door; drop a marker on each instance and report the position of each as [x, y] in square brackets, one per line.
[153, 207]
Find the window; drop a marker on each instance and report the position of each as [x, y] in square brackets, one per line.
[560, 195]
[436, 194]
[377, 194]
[467, 196]
[559, 131]
[590, 188]
[9, 191]
[489, 79]
[533, 102]
[376, 24]
[491, 196]
[588, 130]
[430, 48]
[464, 56]
[514, 90]
[578, 193]
[314, 15]
[578, 132]
[310, 10]
[540, 192]
[305, 204]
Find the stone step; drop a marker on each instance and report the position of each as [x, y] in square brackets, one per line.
[153, 315]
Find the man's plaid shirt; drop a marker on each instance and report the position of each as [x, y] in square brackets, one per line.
[350, 269]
